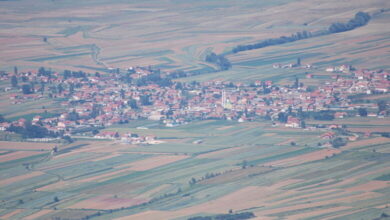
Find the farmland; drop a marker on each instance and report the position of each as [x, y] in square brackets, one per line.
[200, 166]
[111, 180]
[94, 36]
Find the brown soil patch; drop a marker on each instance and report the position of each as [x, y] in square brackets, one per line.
[55, 186]
[366, 142]
[10, 214]
[372, 129]
[15, 179]
[313, 156]
[154, 162]
[17, 155]
[68, 163]
[109, 175]
[236, 175]
[286, 142]
[25, 145]
[316, 212]
[224, 128]
[220, 153]
[354, 121]
[370, 186]
[269, 134]
[106, 157]
[107, 202]
[115, 188]
[38, 214]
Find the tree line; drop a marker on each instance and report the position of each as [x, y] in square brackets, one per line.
[230, 216]
[360, 19]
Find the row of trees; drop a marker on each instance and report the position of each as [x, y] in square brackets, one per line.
[273, 41]
[230, 216]
[360, 19]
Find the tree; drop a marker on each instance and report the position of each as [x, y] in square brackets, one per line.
[56, 199]
[73, 116]
[303, 124]
[122, 93]
[41, 71]
[26, 89]
[244, 164]
[67, 74]
[222, 62]
[362, 112]
[338, 142]
[71, 88]
[282, 117]
[15, 70]
[145, 100]
[14, 81]
[2, 119]
[68, 139]
[296, 83]
[60, 88]
[192, 181]
[382, 105]
[42, 89]
[133, 104]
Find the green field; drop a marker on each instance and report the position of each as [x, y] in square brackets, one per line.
[117, 180]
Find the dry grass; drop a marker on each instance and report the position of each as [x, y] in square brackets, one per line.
[39, 214]
[366, 142]
[17, 155]
[154, 162]
[7, 145]
[107, 202]
[304, 158]
[15, 179]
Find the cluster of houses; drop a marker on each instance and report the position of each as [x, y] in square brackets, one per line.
[130, 138]
[95, 101]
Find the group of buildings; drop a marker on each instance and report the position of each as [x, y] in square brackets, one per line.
[100, 100]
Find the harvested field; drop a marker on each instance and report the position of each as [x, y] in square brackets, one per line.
[11, 214]
[370, 129]
[17, 155]
[367, 142]
[304, 158]
[106, 202]
[39, 214]
[154, 162]
[220, 153]
[15, 179]
[7, 145]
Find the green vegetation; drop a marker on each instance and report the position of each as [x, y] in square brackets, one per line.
[239, 216]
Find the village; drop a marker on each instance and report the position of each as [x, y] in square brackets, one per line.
[95, 101]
